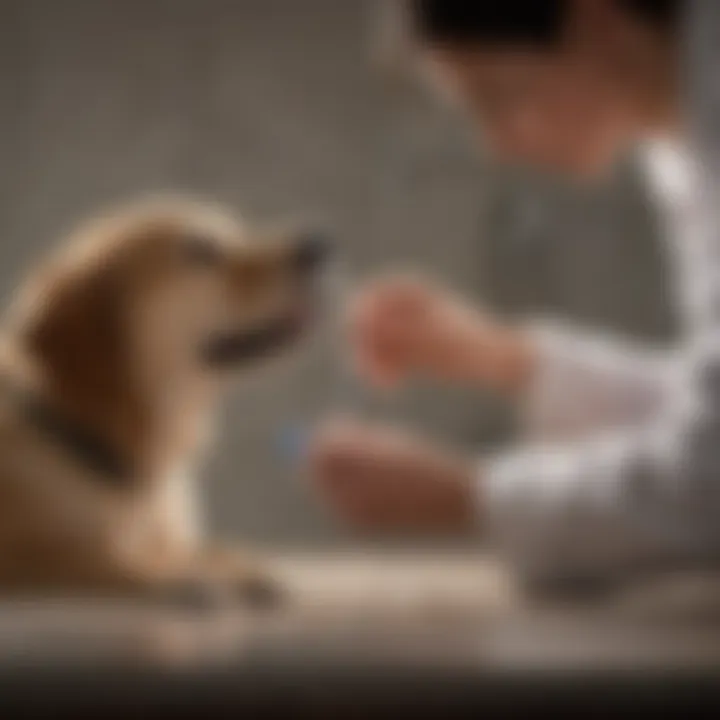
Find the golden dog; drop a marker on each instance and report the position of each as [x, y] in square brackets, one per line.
[112, 360]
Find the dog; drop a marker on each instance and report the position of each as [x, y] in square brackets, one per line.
[113, 358]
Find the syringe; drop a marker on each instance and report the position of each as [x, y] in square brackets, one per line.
[347, 393]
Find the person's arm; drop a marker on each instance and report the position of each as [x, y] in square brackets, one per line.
[568, 383]
[584, 382]
[638, 497]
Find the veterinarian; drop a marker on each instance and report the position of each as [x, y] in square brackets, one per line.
[620, 472]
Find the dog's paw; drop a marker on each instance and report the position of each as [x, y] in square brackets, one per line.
[198, 595]
[259, 590]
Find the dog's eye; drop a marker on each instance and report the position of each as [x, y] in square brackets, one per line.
[201, 250]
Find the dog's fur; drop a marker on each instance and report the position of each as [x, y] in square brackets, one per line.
[115, 334]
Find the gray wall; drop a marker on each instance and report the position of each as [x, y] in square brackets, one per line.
[273, 106]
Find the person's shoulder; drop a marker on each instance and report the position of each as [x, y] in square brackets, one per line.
[668, 165]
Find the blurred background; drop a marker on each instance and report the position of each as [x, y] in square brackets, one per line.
[280, 108]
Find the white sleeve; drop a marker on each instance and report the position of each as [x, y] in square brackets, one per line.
[584, 383]
[634, 495]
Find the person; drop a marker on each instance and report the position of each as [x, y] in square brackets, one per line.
[618, 471]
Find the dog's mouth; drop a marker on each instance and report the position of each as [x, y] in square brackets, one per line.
[258, 342]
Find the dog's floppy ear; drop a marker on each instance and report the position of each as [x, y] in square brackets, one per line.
[76, 335]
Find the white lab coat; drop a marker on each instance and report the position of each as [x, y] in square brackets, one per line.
[620, 467]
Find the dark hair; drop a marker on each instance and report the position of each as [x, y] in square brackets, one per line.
[534, 22]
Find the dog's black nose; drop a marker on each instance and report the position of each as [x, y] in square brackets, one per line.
[312, 251]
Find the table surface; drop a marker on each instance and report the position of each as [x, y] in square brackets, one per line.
[432, 620]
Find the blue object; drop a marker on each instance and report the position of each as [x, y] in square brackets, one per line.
[293, 442]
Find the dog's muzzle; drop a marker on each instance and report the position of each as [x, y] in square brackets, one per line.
[309, 258]
[256, 343]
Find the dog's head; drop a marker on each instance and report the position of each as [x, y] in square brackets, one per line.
[213, 294]
[166, 289]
